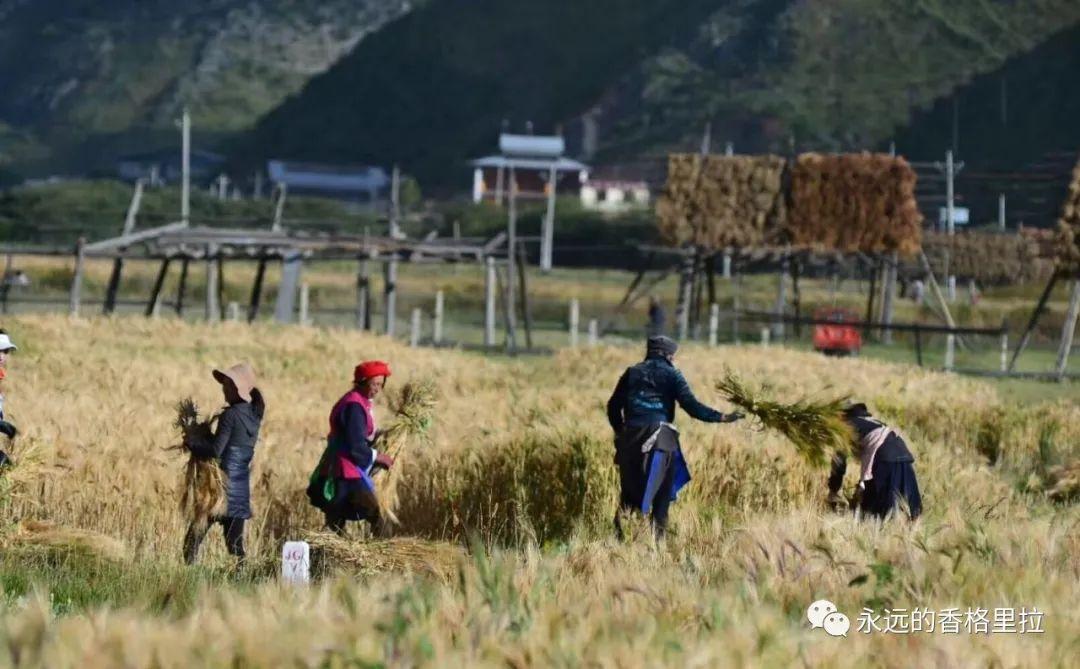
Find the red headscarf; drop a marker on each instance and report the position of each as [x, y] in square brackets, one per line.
[370, 369]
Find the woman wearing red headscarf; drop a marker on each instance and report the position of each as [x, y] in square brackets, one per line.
[341, 485]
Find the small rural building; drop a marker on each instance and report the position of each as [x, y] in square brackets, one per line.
[533, 159]
[165, 165]
[363, 184]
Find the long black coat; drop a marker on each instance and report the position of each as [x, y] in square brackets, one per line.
[234, 447]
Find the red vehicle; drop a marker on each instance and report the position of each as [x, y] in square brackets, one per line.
[839, 336]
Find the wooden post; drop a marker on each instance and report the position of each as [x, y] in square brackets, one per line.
[575, 317]
[154, 305]
[594, 332]
[796, 295]
[118, 264]
[5, 285]
[714, 323]
[870, 297]
[363, 296]
[727, 264]
[221, 285]
[511, 245]
[489, 301]
[256, 291]
[951, 286]
[736, 309]
[1068, 330]
[437, 326]
[1035, 315]
[305, 303]
[781, 297]
[950, 351]
[77, 278]
[181, 287]
[213, 312]
[888, 300]
[414, 329]
[686, 284]
[234, 312]
[765, 337]
[390, 295]
[526, 307]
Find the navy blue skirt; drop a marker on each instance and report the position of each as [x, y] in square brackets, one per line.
[893, 481]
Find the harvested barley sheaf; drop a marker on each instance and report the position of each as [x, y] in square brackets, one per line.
[714, 202]
[379, 557]
[34, 535]
[854, 202]
[413, 408]
[202, 487]
[1069, 228]
[816, 428]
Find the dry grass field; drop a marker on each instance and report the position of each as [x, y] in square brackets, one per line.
[505, 555]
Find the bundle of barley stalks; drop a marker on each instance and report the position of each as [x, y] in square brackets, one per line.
[413, 407]
[382, 556]
[816, 428]
[31, 536]
[202, 487]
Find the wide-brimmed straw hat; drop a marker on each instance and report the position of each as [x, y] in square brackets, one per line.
[242, 377]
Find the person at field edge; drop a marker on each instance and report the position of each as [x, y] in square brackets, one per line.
[886, 471]
[233, 445]
[341, 484]
[7, 347]
[641, 411]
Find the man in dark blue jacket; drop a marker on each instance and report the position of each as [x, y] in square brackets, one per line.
[641, 412]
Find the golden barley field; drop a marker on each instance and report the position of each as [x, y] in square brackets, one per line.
[504, 556]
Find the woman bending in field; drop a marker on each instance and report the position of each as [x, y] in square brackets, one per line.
[341, 484]
[7, 429]
[233, 446]
[886, 471]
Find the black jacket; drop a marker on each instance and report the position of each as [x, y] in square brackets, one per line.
[234, 447]
[894, 450]
[647, 393]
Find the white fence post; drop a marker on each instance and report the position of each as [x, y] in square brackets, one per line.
[305, 303]
[575, 319]
[765, 337]
[489, 301]
[714, 324]
[1004, 351]
[234, 311]
[950, 351]
[594, 332]
[414, 329]
[437, 327]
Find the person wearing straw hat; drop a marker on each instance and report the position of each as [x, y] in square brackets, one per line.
[233, 445]
[641, 411]
[341, 484]
[7, 347]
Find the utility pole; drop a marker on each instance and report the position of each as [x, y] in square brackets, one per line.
[548, 240]
[1001, 211]
[185, 168]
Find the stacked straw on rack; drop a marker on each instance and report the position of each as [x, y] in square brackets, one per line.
[817, 429]
[202, 487]
[1068, 260]
[715, 202]
[413, 407]
[989, 258]
[854, 202]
